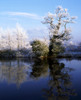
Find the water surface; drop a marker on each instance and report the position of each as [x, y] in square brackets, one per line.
[40, 80]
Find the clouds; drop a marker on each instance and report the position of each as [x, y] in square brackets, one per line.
[23, 14]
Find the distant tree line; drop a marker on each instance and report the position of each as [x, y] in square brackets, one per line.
[13, 39]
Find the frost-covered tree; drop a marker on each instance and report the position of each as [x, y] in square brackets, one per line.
[21, 37]
[3, 41]
[9, 38]
[0, 38]
[58, 29]
[14, 39]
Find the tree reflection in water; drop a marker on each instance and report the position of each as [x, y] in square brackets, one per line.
[59, 83]
[13, 71]
[39, 69]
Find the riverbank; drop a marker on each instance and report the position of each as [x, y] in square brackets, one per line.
[16, 54]
[29, 54]
[70, 55]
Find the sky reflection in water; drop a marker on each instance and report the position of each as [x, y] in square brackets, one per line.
[40, 80]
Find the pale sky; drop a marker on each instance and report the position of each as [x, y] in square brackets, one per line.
[29, 13]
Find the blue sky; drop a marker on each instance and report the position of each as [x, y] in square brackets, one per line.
[28, 13]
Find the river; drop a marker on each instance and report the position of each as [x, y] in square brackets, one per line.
[23, 79]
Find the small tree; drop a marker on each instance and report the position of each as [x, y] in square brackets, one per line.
[22, 37]
[39, 48]
[9, 38]
[58, 29]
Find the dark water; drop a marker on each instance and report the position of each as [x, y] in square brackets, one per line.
[40, 80]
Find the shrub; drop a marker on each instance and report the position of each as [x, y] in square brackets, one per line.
[39, 48]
